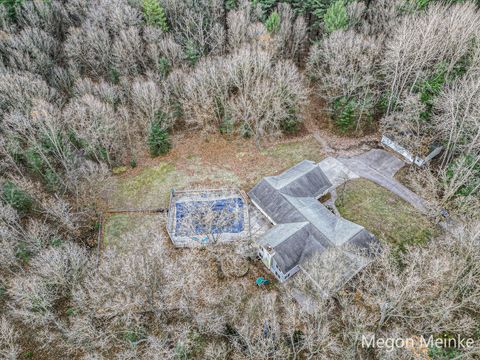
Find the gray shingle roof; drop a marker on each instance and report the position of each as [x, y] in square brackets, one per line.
[336, 229]
[274, 204]
[279, 233]
[304, 179]
[345, 264]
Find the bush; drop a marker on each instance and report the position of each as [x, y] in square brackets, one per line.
[290, 126]
[273, 22]
[231, 4]
[164, 66]
[155, 15]
[265, 5]
[52, 180]
[192, 53]
[317, 8]
[12, 7]
[16, 198]
[291, 123]
[227, 126]
[344, 115]
[34, 160]
[158, 139]
[336, 17]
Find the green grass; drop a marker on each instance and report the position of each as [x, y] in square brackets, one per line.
[115, 226]
[147, 189]
[383, 213]
[147, 179]
[124, 232]
[151, 187]
[291, 153]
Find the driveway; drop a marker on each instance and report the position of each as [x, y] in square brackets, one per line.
[380, 166]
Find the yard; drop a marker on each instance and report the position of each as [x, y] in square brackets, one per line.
[218, 162]
[206, 163]
[383, 213]
[222, 277]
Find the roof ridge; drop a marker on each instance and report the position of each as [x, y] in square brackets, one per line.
[275, 179]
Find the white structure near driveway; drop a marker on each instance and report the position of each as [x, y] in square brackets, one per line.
[415, 159]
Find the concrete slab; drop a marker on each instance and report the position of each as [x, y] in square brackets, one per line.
[336, 172]
[382, 161]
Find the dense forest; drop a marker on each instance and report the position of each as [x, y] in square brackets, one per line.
[90, 85]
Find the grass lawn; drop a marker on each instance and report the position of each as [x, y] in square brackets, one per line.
[123, 232]
[383, 213]
[207, 163]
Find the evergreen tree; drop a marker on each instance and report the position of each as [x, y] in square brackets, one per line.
[155, 14]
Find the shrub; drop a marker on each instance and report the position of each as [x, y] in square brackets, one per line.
[134, 335]
[164, 66]
[16, 198]
[52, 180]
[317, 8]
[192, 53]
[231, 4]
[336, 17]
[265, 5]
[290, 125]
[158, 139]
[34, 160]
[344, 115]
[12, 6]
[430, 88]
[227, 126]
[273, 22]
[155, 14]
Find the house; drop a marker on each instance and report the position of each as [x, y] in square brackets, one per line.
[303, 226]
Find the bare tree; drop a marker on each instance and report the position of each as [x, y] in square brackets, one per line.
[94, 122]
[9, 349]
[442, 34]
[346, 66]
[89, 50]
[266, 97]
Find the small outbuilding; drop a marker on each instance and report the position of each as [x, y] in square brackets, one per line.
[420, 160]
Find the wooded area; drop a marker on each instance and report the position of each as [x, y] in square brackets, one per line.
[87, 86]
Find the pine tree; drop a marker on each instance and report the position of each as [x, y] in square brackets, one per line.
[155, 14]
[336, 17]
